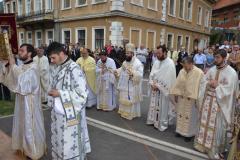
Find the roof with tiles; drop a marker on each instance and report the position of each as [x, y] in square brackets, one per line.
[225, 3]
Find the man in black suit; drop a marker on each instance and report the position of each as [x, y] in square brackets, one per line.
[5, 93]
[181, 55]
[75, 53]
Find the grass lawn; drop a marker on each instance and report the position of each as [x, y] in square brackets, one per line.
[6, 108]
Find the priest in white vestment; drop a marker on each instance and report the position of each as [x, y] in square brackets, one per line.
[216, 113]
[68, 94]
[106, 83]
[186, 95]
[162, 78]
[130, 85]
[43, 66]
[28, 133]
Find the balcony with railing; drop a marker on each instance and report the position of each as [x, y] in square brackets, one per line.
[35, 17]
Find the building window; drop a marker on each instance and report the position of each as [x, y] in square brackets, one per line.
[151, 39]
[99, 38]
[172, 7]
[152, 4]
[28, 7]
[66, 4]
[29, 37]
[13, 6]
[98, 1]
[187, 41]
[66, 36]
[49, 36]
[206, 19]
[37, 5]
[38, 35]
[181, 8]
[199, 16]
[81, 37]
[214, 22]
[20, 7]
[202, 43]
[137, 2]
[81, 2]
[49, 5]
[179, 42]
[170, 41]
[236, 17]
[135, 36]
[8, 8]
[225, 20]
[21, 38]
[189, 10]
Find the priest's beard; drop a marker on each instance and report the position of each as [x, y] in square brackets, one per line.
[128, 58]
[219, 64]
[161, 58]
[23, 58]
[104, 61]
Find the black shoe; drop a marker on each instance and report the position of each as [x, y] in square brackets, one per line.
[44, 103]
[187, 139]
[28, 158]
[177, 135]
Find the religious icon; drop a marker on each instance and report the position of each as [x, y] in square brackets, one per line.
[8, 26]
[5, 48]
[6, 29]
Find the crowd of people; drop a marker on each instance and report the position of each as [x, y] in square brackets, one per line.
[197, 92]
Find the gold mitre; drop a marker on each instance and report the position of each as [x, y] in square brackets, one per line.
[130, 47]
[81, 49]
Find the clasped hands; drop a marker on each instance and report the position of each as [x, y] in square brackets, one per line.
[129, 72]
[154, 86]
[213, 83]
[54, 93]
[103, 69]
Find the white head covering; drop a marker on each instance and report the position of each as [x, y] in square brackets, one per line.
[130, 47]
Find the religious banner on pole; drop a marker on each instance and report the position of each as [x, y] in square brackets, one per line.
[8, 27]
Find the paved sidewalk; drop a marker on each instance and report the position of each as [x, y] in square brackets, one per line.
[6, 152]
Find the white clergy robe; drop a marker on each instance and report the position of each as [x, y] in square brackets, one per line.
[130, 89]
[186, 89]
[43, 66]
[106, 85]
[216, 112]
[70, 138]
[160, 113]
[28, 133]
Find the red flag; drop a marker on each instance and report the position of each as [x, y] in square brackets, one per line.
[8, 24]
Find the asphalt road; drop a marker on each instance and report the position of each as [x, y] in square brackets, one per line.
[109, 146]
[105, 145]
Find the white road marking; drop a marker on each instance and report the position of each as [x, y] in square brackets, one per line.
[11, 115]
[145, 80]
[152, 142]
[6, 116]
